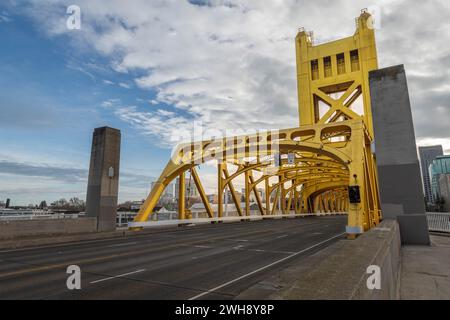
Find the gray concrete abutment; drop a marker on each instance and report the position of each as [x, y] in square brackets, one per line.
[340, 271]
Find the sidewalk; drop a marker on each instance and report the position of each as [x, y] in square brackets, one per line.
[426, 270]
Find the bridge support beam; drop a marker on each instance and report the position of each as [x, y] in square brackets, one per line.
[182, 196]
[398, 166]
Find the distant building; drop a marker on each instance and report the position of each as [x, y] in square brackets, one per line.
[444, 190]
[190, 188]
[253, 199]
[136, 205]
[169, 192]
[439, 172]
[427, 155]
[214, 198]
[228, 210]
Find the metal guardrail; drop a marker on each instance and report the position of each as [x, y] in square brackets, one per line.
[149, 224]
[38, 217]
[438, 221]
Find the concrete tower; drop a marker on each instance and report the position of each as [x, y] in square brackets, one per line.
[103, 184]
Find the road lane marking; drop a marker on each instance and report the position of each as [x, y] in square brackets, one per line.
[202, 247]
[269, 251]
[121, 244]
[42, 268]
[118, 276]
[163, 233]
[262, 268]
[242, 248]
[283, 236]
[239, 241]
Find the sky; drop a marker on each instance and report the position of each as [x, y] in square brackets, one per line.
[155, 68]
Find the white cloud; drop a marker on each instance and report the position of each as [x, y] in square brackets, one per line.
[32, 182]
[433, 141]
[156, 124]
[165, 113]
[124, 85]
[4, 17]
[231, 63]
[110, 103]
[77, 67]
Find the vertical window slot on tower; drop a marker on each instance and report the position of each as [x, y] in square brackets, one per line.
[315, 69]
[340, 63]
[327, 67]
[354, 59]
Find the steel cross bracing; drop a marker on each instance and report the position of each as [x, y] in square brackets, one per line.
[300, 170]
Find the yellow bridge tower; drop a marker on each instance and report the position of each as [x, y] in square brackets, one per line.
[323, 166]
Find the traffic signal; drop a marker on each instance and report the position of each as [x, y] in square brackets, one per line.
[354, 194]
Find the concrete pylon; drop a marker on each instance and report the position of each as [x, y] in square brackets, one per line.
[400, 184]
[103, 184]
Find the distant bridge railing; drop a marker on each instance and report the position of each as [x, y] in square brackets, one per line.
[438, 221]
[55, 216]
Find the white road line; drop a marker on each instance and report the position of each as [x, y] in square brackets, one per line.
[121, 244]
[202, 247]
[270, 251]
[118, 276]
[241, 248]
[283, 236]
[262, 268]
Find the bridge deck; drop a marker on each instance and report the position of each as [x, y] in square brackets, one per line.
[203, 262]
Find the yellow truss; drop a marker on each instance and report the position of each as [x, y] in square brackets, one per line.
[329, 152]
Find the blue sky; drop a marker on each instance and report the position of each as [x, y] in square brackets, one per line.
[51, 99]
[152, 68]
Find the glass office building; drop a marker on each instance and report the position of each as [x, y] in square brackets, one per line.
[427, 155]
[439, 171]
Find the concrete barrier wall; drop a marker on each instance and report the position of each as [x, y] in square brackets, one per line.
[342, 274]
[26, 228]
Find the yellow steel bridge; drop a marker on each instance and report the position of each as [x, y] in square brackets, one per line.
[324, 165]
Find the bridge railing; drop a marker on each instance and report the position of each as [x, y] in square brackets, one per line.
[438, 221]
[39, 216]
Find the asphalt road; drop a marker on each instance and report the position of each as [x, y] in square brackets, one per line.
[200, 262]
